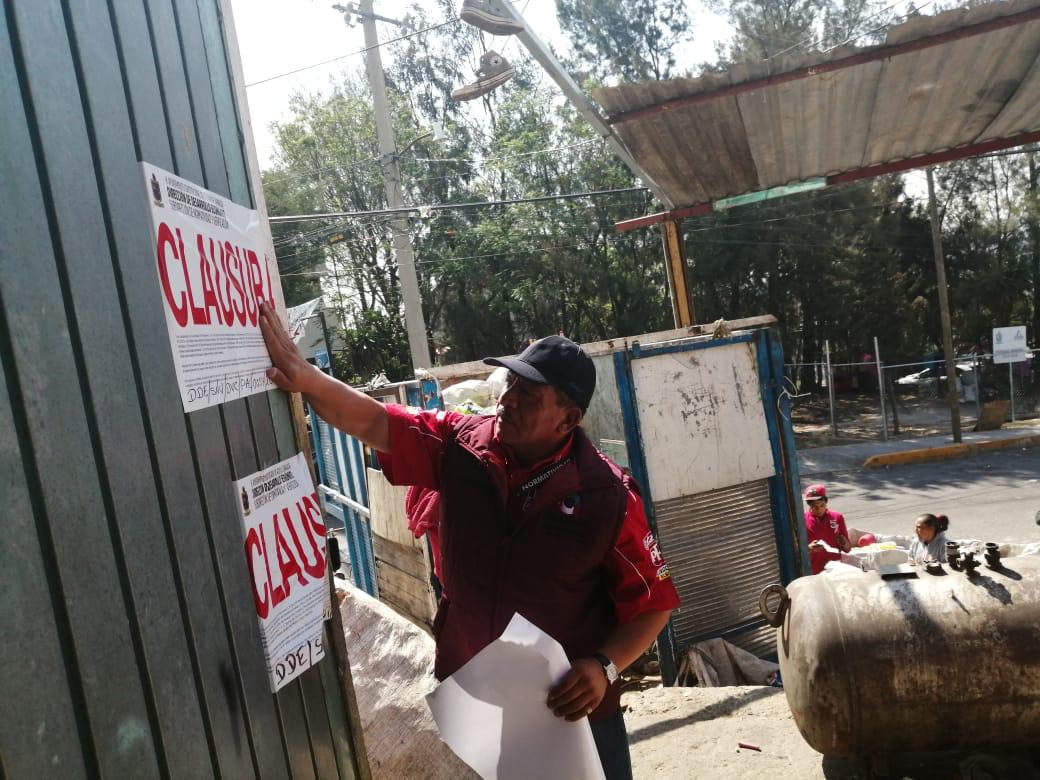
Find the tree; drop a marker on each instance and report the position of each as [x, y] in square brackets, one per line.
[843, 264]
[770, 28]
[629, 39]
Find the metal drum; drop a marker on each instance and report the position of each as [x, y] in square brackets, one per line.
[944, 660]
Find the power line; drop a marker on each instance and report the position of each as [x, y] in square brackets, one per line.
[450, 206]
[500, 158]
[359, 51]
[816, 41]
[353, 53]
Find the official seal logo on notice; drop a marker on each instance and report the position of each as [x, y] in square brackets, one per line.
[156, 191]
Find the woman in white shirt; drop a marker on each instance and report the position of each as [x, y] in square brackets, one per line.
[931, 538]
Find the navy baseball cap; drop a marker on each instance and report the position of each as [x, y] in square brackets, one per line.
[556, 361]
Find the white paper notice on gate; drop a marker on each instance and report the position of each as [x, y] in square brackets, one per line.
[285, 553]
[213, 272]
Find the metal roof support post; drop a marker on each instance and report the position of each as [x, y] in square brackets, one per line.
[544, 57]
[944, 311]
[675, 270]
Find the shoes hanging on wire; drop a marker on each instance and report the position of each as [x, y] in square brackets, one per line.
[494, 71]
[485, 15]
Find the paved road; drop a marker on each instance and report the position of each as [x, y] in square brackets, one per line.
[993, 496]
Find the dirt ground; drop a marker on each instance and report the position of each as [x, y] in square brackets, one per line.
[694, 733]
[858, 417]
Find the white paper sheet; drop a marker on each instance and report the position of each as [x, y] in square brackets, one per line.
[492, 711]
[213, 272]
[286, 555]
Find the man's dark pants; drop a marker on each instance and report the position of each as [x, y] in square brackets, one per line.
[612, 744]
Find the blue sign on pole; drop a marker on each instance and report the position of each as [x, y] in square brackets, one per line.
[321, 358]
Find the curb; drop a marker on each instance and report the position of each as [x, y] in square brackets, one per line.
[948, 451]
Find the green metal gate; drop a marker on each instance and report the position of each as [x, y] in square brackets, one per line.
[130, 646]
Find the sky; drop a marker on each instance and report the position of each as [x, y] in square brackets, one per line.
[279, 36]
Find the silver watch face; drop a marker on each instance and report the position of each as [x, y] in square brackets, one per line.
[612, 672]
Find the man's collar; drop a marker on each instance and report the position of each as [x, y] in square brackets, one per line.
[519, 473]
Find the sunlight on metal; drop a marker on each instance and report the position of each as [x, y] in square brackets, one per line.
[943, 87]
[860, 58]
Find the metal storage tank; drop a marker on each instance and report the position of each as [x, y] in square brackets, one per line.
[131, 646]
[944, 660]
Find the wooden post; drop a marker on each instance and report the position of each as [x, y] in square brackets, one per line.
[944, 312]
[675, 270]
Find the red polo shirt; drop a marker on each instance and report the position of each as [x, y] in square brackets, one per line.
[635, 573]
[825, 529]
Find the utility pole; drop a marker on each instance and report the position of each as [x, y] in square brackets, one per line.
[944, 312]
[415, 324]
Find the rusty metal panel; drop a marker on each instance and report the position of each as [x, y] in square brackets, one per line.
[938, 661]
[921, 109]
[800, 116]
[1018, 115]
[721, 551]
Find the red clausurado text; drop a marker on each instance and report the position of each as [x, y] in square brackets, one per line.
[231, 279]
[286, 550]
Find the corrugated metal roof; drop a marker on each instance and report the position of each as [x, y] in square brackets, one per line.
[940, 82]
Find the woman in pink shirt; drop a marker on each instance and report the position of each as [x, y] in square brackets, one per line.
[823, 527]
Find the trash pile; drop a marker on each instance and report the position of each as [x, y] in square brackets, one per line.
[717, 663]
[475, 396]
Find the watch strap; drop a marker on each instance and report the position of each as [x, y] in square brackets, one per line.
[603, 660]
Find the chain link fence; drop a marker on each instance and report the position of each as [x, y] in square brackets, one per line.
[842, 401]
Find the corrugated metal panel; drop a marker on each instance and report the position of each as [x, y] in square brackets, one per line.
[135, 650]
[721, 552]
[954, 94]
[328, 452]
[761, 641]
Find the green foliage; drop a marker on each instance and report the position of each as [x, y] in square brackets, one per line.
[375, 344]
[843, 264]
[633, 40]
[771, 28]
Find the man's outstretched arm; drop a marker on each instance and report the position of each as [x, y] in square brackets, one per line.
[338, 404]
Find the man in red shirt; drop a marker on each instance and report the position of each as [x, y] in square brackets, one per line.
[823, 526]
[533, 520]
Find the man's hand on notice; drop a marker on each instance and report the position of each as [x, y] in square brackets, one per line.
[580, 691]
[815, 544]
[289, 371]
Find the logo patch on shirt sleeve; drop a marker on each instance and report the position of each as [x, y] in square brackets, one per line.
[656, 559]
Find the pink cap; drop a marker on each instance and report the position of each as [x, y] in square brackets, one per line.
[814, 492]
[866, 539]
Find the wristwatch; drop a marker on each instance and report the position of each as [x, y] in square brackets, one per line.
[608, 667]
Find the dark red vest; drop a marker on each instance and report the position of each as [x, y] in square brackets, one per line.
[538, 552]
